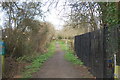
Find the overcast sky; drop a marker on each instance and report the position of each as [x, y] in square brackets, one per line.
[55, 16]
[1, 17]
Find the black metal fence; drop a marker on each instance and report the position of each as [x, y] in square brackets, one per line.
[96, 50]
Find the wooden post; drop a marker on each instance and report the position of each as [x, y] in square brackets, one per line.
[2, 52]
[0, 57]
[117, 67]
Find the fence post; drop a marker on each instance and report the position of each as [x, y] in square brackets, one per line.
[104, 52]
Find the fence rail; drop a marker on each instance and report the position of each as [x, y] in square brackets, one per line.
[96, 50]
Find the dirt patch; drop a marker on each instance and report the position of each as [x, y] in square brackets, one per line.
[10, 68]
[13, 68]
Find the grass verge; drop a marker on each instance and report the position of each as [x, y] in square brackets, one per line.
[69, 54]
[72, 58]
[38, 62]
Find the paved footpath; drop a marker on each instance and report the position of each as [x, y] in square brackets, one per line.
[58, 67]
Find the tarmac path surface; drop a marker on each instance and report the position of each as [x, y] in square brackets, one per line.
[58, 67]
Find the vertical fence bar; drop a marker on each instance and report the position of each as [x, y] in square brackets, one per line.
[92, 48]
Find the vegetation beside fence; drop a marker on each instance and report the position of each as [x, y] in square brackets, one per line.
[69, 54]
